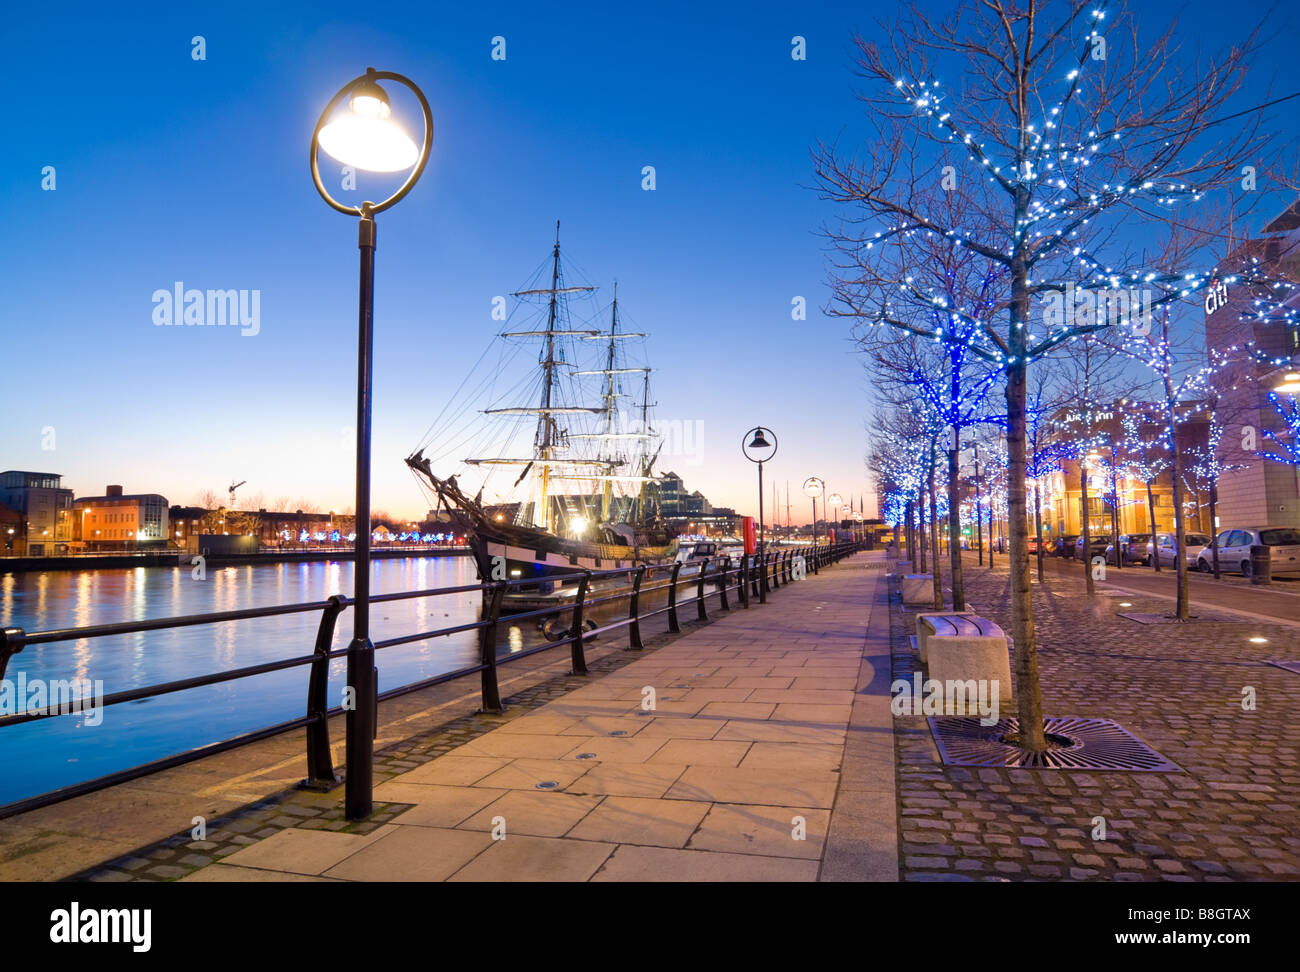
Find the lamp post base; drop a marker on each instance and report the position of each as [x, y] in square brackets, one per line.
[362, 726]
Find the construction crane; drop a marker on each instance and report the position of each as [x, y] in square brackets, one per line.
[234, 486]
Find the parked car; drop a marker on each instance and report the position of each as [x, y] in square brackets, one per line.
[1164, 545]
[1033, 545]
[1064, 546]
[1134, 547]
[1097, 544]
[1234, 550]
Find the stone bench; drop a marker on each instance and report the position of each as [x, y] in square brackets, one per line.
[918, 589]
[961, 647]
[902, 568]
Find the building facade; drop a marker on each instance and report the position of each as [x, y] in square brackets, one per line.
[1126, 502]
[119, 519]
[1254, 490]
[45, 507]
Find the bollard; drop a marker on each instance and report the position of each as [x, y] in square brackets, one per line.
[320, 761]
[673, 624]
[488, 652]
[633, 612]
[576, 652]
[1261, 564]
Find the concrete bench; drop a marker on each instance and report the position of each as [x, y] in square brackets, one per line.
[902, 568]
[962, 647]
[918, 589]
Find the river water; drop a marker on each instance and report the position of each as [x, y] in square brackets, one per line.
[50, 753]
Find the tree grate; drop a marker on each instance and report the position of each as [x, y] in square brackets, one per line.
[1074, 743]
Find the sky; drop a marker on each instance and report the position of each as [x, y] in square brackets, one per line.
[169, 168]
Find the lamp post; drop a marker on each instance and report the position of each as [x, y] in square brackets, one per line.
[758, 449]
[835, 500]
[365, 137]
[812, 488]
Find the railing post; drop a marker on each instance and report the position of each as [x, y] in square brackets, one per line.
[722, 587]
[763, 580]
[633, 609]
[813, 558]
[785, 565]
[754, 573]
[743, 577]
[575, 633]
[699, 591]
[320, 761]
[11, 643]
[487, 646]
[776, 570]
[673, 625]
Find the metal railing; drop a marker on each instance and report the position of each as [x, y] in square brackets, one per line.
[750, 579]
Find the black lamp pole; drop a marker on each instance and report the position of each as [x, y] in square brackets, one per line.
[362, 720]
[758, 440]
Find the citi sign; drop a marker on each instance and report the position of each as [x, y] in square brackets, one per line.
[1215, 297]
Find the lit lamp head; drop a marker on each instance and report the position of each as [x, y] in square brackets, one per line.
[357, 128]
[835, 499]
[812, 487]
[756, 444]
[366, 137]
[1290, 384]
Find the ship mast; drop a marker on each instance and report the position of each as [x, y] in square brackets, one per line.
[608, 492]
[545, 424]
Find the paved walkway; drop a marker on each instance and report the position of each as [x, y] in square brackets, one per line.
[767, 756]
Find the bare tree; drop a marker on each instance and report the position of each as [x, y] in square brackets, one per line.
[1071, 127]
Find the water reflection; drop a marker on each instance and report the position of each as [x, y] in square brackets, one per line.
[55, 752]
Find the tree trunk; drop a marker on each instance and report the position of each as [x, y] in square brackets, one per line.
[990, 531]
[1151, 523]
[1028, 691]
[920, 527]
[954, 529]
[908, 537]
[1087, 532]
[1038, 527]
[1175, 471]
[979, 517]
[934, 532]
[1114, 513]
[1214, 525]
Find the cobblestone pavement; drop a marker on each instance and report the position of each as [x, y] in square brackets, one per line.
[1231, 815]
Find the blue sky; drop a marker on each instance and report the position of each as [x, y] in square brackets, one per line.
[174, 169]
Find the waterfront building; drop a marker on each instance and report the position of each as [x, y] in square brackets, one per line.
[45, 508]
[1255, 491]
[1061, 491]
[119, 519]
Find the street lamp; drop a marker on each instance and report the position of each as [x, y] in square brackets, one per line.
[1290, 384]
[812, 488]
[758, 449]
[835, 500]
[366, 137]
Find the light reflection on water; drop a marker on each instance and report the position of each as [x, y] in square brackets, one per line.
[41, 756]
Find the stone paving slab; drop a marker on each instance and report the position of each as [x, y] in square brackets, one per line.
[732, 775]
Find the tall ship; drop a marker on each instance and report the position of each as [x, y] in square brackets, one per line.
[561, 420]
